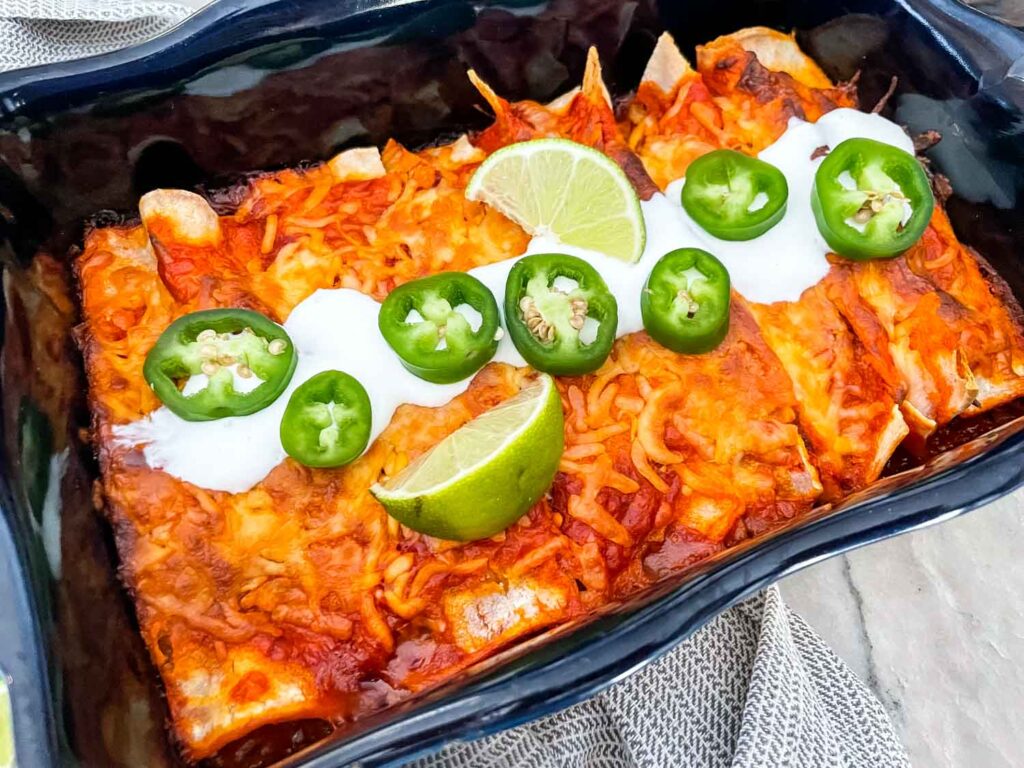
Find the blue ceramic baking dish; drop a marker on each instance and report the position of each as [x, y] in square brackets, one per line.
[255, 84]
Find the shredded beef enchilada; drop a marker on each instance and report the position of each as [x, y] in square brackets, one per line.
[270, 581]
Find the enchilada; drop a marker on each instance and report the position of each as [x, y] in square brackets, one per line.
[298, 596]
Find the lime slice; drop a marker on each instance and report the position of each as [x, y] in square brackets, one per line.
[485, 475]
[561, 188]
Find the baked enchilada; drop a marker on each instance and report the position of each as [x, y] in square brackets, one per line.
[707, 360]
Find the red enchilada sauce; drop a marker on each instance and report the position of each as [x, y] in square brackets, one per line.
[271, 743]
[958, 432]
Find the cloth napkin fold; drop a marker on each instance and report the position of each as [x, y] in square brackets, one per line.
[40, 31]
[756, 687]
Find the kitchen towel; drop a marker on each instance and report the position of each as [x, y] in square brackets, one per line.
[40, 31]
[756, 687]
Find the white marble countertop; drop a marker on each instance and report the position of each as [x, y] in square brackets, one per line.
[932, 621]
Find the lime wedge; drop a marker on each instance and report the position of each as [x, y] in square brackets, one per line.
[561, 188]
[485, 475]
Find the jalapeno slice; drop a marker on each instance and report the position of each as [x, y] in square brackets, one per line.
[245, 358]
[327, 420]
[871, 200]
[685, 302]
[560, 314]
[440, 343]
[733, 196]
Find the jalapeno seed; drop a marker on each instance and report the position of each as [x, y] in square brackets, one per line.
[871, 200]
[211, 342]
[549, 299]
[685, 302]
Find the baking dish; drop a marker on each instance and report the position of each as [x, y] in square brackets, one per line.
[198, 104]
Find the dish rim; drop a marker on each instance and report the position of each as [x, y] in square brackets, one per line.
[608, 647]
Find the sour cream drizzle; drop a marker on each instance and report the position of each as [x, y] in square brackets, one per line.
[337, 329]
[791, 256]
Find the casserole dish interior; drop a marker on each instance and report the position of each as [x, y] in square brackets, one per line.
[250, 85]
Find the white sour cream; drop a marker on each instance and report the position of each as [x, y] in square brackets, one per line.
[331, 330]
[791, 256]
[337, 329]
[666, 230]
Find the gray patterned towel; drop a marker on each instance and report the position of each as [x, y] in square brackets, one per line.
[756, 687]
[40, 31]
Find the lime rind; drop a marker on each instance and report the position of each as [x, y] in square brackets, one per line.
[485, 475]
[519, 411]
[565, 189]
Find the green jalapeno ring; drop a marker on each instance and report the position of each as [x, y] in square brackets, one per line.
[327, 420]
[545, 323]
[867, 220]
[210, 342]
[436, 299]
[722, 192]
[685, 301]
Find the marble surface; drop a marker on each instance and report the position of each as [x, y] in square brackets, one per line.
[933, 622]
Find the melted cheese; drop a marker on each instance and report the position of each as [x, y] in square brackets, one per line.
[282, 602]
[234, 454]
[305, 573]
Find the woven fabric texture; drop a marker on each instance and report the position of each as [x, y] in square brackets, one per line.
[754, 688]
[41, 31]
